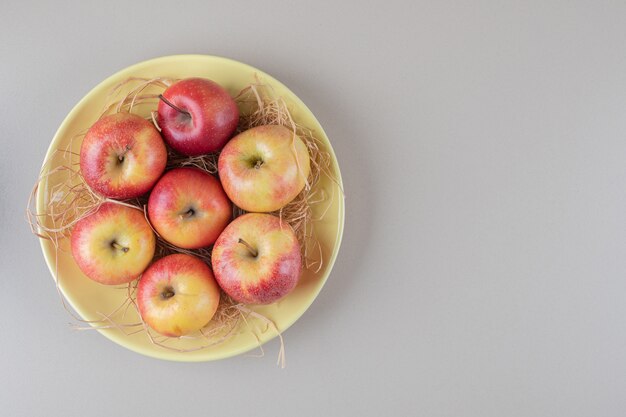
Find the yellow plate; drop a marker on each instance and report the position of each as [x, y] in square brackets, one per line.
[90, 299]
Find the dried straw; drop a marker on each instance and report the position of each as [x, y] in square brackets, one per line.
[71, 200]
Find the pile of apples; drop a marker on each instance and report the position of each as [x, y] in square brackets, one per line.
[255, 259]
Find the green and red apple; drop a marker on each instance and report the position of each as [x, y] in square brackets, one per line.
[189, 208]
[114, 245]
[122, 156]
[256, 259]
[264, 168]
[177, 295]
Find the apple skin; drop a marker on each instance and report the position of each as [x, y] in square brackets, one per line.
[177, 295]
[259, 170]
[212, 116]
[261, 279]
[188, 208]
[114, 245]
[122, 156]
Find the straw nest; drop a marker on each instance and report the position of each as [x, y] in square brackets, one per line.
[68, 199]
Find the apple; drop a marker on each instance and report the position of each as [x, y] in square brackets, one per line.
[197, 116]
[189, 208]
[122, 156]
[264, 168]
[177, 295]
[256, 259]
[114, 245]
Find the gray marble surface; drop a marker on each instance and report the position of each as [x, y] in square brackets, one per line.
[483, 152]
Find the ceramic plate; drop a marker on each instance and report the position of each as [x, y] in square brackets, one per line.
[90, 299]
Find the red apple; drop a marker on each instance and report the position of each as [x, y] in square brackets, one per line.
[114, 245]
[177, 295]
[189, 208]
[197, 116]
[256, 259]
[122, 156]
[264, 168]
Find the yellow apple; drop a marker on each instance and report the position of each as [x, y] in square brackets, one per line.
[114, 245]
[177, 295]
[264, 168]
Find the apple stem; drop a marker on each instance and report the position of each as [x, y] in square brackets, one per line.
[119, 247]
[253, 252]
[168, 292]
[172, 105]
[188, 213]
[121, 156]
